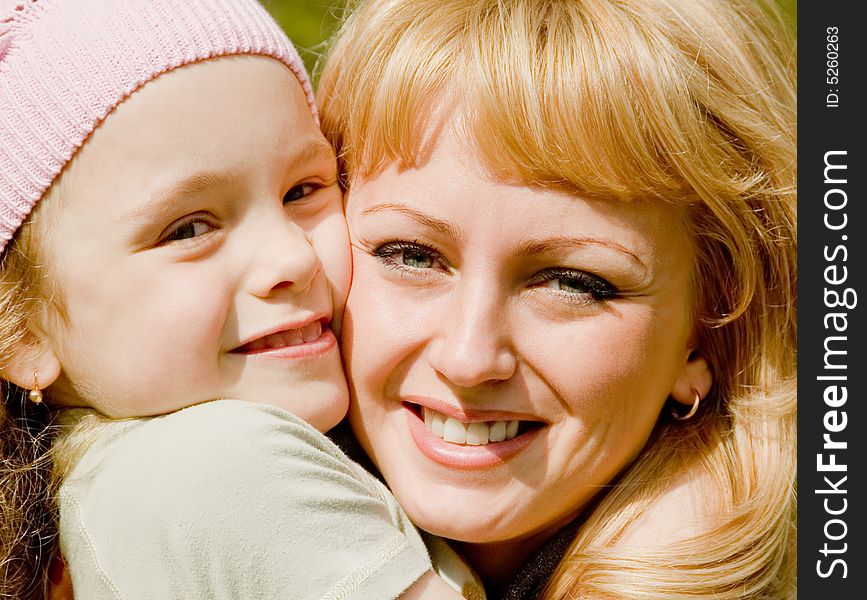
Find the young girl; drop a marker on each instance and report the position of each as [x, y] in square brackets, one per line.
[172, 236]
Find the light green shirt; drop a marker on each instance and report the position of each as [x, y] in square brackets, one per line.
[231, 499]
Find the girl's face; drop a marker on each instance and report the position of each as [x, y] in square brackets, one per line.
[200, 250]
[509, 348]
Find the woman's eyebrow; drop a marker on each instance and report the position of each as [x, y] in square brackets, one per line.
[443, 227]
[553, 244]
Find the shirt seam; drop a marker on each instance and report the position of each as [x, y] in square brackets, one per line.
[351, 582]
[73, 504]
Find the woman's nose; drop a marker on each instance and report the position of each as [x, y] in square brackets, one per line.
[471, 345]
[282, 257]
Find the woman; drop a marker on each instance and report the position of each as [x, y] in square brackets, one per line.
[571, 332]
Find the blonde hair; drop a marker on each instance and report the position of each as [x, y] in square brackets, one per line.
[27, 517]
[688, 101]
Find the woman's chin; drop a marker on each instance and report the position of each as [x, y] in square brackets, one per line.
[462, 515]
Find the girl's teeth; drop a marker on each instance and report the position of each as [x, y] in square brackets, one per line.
[311, 332]
[292, 337]
[472, 434]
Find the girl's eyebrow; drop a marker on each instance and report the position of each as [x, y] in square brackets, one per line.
[443, 227]
[314, 150]
[196, 184]
[167, 198]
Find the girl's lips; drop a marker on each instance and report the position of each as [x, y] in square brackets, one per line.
[310, 341]
[464, 455]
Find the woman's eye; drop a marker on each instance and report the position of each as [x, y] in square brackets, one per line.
[302, 190]
[409, 256]
[578, 286]
[188, 230]
[417, 259]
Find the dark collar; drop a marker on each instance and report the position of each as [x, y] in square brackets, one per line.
[344, 438]
[530, 580]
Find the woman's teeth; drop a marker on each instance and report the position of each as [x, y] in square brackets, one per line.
[471, 434]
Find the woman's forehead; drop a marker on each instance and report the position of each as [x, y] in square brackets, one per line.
[454, 196]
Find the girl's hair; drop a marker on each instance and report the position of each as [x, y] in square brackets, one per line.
[686, 101]
[27, 528]
[27, 524]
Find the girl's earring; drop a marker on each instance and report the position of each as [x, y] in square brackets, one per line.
[35, 394]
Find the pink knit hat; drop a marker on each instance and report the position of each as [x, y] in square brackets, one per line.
[65, 64]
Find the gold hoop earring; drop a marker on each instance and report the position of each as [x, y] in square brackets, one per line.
[35, 394]
[692, 410]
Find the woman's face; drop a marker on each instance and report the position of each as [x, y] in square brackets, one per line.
[509, 348]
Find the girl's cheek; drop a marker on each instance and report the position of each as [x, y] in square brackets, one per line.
[331, 241]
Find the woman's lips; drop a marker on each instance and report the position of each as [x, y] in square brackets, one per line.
[475, 445]
[311, 340]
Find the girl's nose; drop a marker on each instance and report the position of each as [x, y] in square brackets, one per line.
[283, 257]
[471, 344]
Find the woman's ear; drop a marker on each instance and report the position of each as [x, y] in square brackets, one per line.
[695, 378]
[34, 364]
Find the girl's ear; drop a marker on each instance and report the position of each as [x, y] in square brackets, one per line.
[34, 364]
[695, 378]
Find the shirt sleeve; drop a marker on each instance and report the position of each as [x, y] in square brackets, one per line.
[231, 500]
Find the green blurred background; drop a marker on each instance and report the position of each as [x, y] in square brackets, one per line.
[310, 22]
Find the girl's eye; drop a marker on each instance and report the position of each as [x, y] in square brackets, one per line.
[577, 286]
[187, 230]
[300, 191]
[409, 256]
